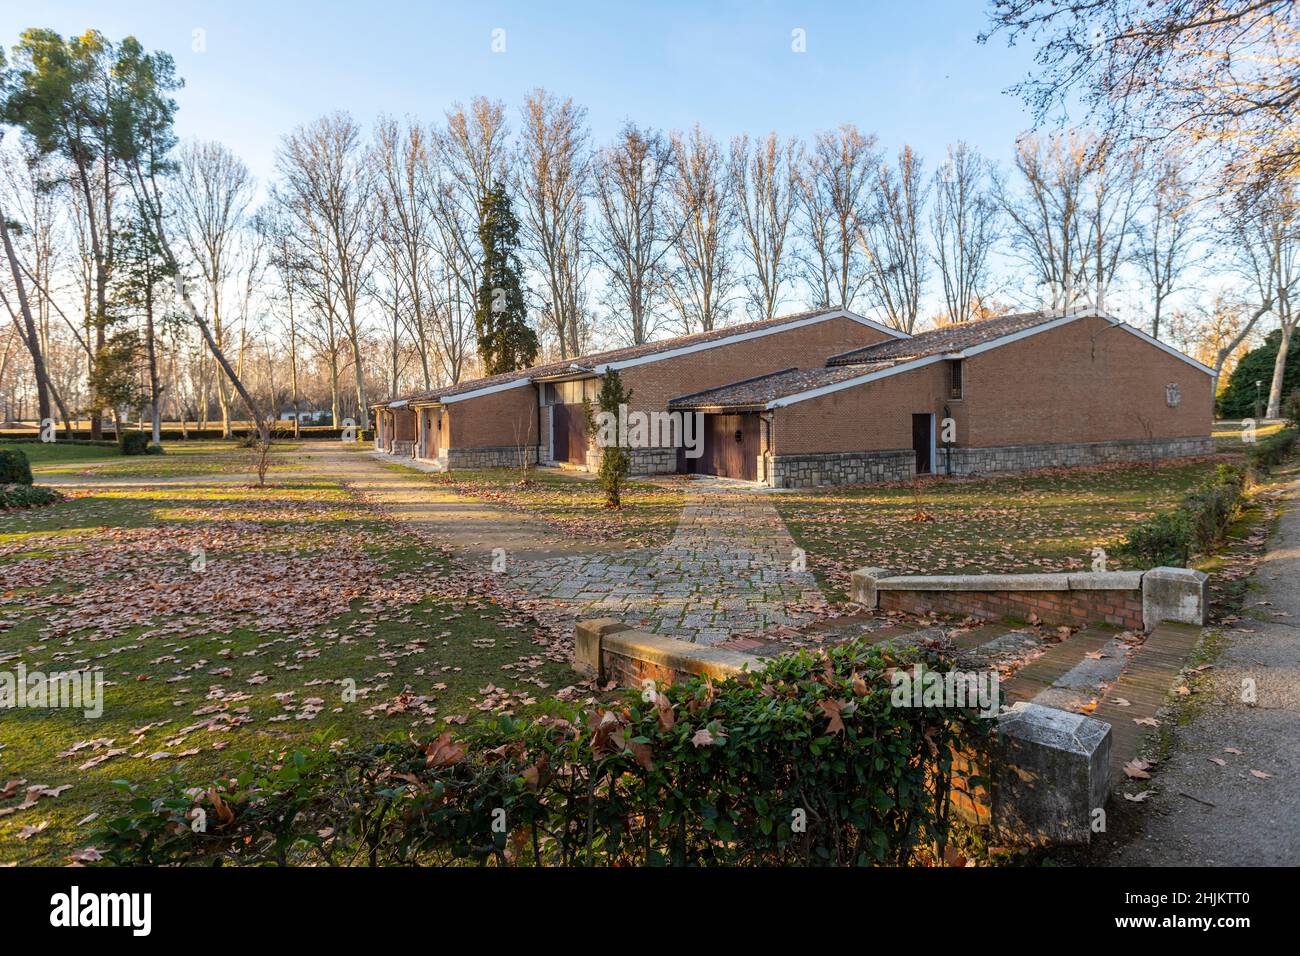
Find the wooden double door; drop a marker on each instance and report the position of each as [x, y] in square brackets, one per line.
[732, 444]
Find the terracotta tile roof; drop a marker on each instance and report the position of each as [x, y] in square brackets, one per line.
[756, 392]
[590, 361]
[948, 338]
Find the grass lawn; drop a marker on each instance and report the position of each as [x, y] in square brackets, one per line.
[182, 459]
[1049, 521]
[575, 504]
[302, 596]
[1229, 437]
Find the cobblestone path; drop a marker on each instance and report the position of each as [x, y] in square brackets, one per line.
[729, 569]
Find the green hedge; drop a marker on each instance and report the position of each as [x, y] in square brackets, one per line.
[281, 431]
[805, 763]
[1270, 451]
[13, 497]
[14, 467]
[1197, 525]
[136, 443]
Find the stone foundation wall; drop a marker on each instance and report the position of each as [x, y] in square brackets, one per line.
[500, 456]
[1122, 608]
[403, 448]
[653, 461]
[841, 468]
[972, 461]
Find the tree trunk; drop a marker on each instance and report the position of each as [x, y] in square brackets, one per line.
[154, 390]
[1279, 371]
[29, 336]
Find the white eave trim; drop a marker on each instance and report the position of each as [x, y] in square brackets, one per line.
[400, 403]
[487, 390]
[746, 336]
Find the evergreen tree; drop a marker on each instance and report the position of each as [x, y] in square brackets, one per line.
[506, 342]
[1238, 399]
[615, 459]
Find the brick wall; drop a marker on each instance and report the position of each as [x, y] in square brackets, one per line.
[1122, 608]
[1084, 382]
[502, 418]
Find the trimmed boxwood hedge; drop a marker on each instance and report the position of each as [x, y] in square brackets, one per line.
[14, 467]
[13, 497]
[807, 762]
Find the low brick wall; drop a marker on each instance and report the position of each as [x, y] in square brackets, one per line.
[499, 456]
[1122, 608]
[1135, 600]
[842, 468]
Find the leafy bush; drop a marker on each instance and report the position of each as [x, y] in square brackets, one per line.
[1164, 540]
[805, 763]
[1291, 409]
[134, 443]
[14, 467]
[1270, 451]
[1198, 524]
[27, 496]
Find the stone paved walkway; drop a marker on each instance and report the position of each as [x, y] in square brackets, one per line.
[728, 570]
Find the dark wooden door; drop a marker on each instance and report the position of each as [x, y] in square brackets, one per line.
[559, 434]
[569, 426]
[921, 438]
[731, 445]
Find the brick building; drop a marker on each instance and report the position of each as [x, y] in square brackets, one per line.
[537, 414]
[1013, 392]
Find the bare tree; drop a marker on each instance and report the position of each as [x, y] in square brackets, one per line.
[211, 193]
[325, 172]
[766, 176]
[1221, 76]
[892, 238]
[1263, 254]
[634, 230]
[834, 193]
[402, 158]
[551, 175]
[472, 155]
[285, 258]
[1167, 238]
[703, 207]
[964, 228]
[1109, 215]
[1269, 253]
[1044, 214]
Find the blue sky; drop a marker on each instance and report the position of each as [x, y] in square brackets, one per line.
[911, 72]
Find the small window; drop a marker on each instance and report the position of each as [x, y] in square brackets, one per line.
[955, 377]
